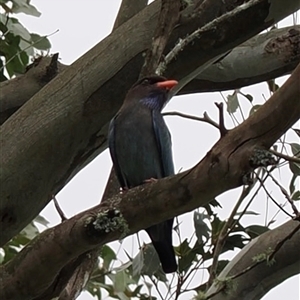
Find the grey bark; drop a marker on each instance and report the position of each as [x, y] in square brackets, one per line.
[254, 283]
[223, 168]
[63, 127]
[262, 58]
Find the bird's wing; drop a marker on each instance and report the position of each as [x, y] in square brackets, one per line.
[112, 149]
[163, 139]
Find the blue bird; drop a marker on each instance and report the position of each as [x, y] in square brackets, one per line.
[140, 147]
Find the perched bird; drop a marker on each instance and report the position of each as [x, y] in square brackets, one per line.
[140, 147]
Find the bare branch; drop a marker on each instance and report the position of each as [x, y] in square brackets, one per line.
[59, 210]
[222, 127]
[286, 157]
[205, 117]
[287, 196]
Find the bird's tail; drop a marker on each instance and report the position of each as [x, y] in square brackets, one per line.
[161, 236]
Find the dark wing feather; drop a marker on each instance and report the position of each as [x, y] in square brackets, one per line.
[112, 149]
[164, 143]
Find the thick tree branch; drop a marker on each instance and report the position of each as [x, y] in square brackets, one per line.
[254, 283]
[267, 55]
[64, 126]
[17, 91]
[262, 58]
[221, 169]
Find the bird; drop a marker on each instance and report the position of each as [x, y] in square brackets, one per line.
[141, 150]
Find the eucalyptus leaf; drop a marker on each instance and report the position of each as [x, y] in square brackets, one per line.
[233, 103]
[296, 196]
[201, 228]
[255, 230]
[40, 42]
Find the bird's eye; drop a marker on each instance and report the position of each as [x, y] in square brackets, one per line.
[146, 81]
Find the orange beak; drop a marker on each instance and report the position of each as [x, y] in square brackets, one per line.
[168, 84]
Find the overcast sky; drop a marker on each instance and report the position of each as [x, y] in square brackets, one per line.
[81, 25]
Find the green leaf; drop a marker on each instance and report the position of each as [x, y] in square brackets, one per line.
[30, 231]
[2, 76]
[151, 261]
[24, 58]
[273, 87]
[18, 29]
[40, 42]
[297, 131]
[108, 255]
[41, 220]
[221, 265]
[248, 212]
[120, 282]
[201, 228]
[138, 264]
[25, 8]
[255, 230]
[186, 256]
[233, 103]
[295, 149]
[292, 184]
[2, 255]
[94, 289]
[234, 241]
[249, 97]
[296, 196]
[295, 168]
[216, 227]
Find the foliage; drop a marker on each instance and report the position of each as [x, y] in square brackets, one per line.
[17, 44]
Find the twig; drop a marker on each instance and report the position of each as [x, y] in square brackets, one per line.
[286, 157]
[274, 201]
[222, 127]
[59, 210]
[224, 234]
[26, 48]
[205, 117]
[285, 193]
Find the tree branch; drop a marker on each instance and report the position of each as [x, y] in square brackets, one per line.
[221, 169]
[168, 17]
[256, 281]
[17, 91]
[64, 126]
[262, 58]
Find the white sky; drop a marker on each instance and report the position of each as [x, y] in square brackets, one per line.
[81, 25]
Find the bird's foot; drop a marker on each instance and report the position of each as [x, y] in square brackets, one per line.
[150, 180]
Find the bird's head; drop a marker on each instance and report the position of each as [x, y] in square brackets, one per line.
[152, 91]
